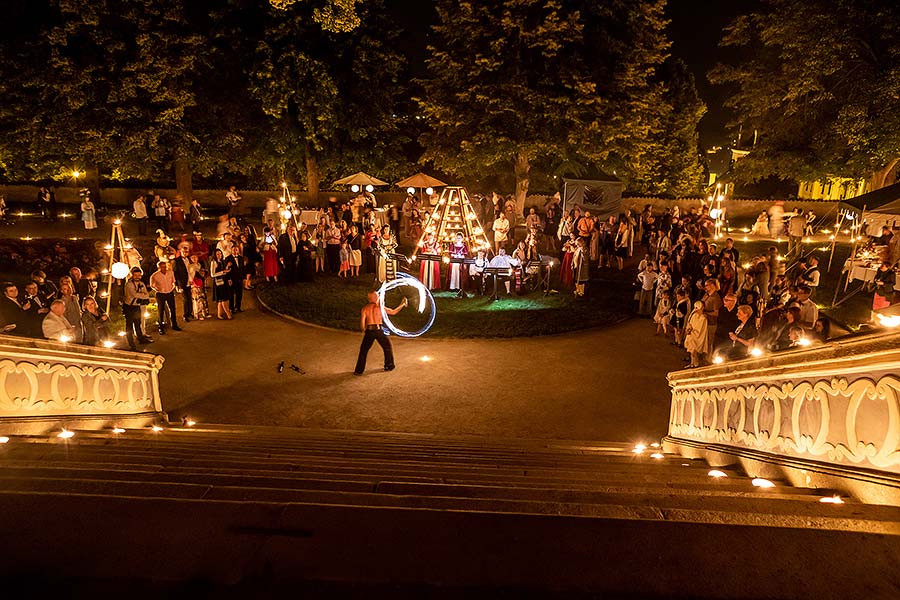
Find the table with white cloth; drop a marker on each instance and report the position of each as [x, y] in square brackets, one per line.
[860, 270]
[310, 217]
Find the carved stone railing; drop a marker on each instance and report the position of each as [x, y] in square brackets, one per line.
[46, 384]
[837, 404]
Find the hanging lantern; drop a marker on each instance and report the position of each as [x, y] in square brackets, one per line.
[120, 270]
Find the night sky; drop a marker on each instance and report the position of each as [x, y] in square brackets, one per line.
[695, 31]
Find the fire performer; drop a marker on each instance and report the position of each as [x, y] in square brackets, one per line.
[370, 323]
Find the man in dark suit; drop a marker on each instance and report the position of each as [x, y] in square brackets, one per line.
[234, 264]
[82, 285]
[288, 244]
[182, 281]
[12, 312]
[39, 307]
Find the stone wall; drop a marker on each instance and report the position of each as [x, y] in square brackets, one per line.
[46, 385]
[836, 405]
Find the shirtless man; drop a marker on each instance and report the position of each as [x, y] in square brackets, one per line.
[370, 324]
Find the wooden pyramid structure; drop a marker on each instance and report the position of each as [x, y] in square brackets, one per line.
[454, 214]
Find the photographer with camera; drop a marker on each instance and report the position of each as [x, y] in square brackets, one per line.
[136, 297]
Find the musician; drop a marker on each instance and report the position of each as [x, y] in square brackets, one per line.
[430, 270]
[386, 244]
[580, 267]
[520, 255]
[502, 260]
[531, 244]
[476, 272]
[458, 249]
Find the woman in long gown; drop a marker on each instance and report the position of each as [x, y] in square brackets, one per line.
[354, 241]
[88, 214]
[761, 227]
[430, 270]
[269, 256]
[458, 249]
[695, 340]
[566, 273]
[385, 245]
[221, 293]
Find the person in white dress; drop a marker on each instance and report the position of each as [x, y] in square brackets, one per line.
[88, 214]
[761, 227]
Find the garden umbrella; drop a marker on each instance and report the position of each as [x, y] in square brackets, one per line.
[420, 180]
[361, 179]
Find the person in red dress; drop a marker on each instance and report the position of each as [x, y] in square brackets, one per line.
[566, 273]
[430, 270]
[270, 256]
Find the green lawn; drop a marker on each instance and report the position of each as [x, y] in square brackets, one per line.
[335, 302]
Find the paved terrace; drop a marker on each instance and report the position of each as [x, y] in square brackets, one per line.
[604, 384]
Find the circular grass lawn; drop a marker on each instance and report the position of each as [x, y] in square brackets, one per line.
[335, 302]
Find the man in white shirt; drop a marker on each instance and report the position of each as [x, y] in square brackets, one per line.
[55, 325]
[140, 214]
[163, 283]
[234, 201]
[810, 275]
[503, 261]
[225, 244]
[809, 312]
[501, 229]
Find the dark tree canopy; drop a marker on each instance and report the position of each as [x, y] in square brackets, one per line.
[567, 86]
[314, 89]
[820, 84]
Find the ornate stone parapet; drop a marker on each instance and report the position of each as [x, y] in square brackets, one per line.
[44, 383]
[838, 404]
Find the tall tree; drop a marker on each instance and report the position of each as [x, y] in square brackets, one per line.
[575, 85]
[332, 96]
[820, 82]
[500, 86]
[669, 158]
[122, 85]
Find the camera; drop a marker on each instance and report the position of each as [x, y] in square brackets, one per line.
[143, 301]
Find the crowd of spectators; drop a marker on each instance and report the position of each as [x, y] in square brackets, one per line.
[699, 293]
[713, 305]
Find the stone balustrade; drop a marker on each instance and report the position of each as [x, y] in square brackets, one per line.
[835, 405]
[46, 384]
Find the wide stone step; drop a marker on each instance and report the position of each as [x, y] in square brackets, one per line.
[350, 441]
[241, 542]
[383, 482]
[161, 457]
[224, 447]
[639, 473]
[758, 511]
[54, 452]
[374, 477]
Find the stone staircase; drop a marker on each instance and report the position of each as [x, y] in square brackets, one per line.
[232, 508]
